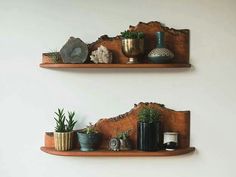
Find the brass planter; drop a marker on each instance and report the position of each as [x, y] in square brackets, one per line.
[132, 48]
[63, 141]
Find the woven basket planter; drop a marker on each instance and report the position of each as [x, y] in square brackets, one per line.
[63, 141]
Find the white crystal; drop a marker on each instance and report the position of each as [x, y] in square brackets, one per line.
[101, 55]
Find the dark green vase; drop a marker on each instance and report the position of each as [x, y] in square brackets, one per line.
[88, 142]
[160, 54]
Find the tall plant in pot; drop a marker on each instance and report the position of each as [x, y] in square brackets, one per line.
[63, 135]
[89, 138]
[148, 130]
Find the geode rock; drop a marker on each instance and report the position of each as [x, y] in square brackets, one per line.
[74, 51]
[101, 55]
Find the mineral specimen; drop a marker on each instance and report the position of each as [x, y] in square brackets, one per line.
[101, 55]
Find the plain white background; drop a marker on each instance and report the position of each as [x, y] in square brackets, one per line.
[29, 94]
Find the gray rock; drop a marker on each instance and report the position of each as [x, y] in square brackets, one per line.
[74, 51]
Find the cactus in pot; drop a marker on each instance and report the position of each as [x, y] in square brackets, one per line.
[63, 135]
[125, 143]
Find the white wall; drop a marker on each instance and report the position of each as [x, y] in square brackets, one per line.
[29, 94]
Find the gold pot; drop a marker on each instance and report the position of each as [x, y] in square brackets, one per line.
[132, 48]
[63, 141]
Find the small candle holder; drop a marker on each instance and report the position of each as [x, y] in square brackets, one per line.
[170, 141]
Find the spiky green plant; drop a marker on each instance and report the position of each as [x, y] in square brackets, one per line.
[148, 115]
[60, 121]
[132, 35]
[70, 121]
[63, 124]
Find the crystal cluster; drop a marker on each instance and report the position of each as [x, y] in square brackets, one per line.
[101, 55]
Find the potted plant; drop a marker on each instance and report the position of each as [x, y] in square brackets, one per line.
[63, 135]
[132, 45]
[125, 143]
[148, 130]
[52, 57]
[89, 138]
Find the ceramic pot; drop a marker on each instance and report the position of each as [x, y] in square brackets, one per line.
[63, 141]
[132, 48]
[148, 136]
[88, 142]
[160, 54]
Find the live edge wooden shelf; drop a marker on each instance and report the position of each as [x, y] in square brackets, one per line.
[133, 153]
[177, 121]
[177, 40]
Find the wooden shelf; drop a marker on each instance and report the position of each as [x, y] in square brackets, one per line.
[176, 40]
[171, 120]
[172, 65]
[133, 153]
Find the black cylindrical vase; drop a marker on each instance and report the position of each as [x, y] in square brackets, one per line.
[148, 136]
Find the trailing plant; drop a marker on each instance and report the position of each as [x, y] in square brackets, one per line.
[90, 129]
[55, 56]
[132, 35]
[148, 115]
[124, 135]
[63, 124]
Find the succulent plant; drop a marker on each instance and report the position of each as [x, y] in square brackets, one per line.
[90, 129]
[148, 115]
[63, 124]
[124, 135]
[132, 35]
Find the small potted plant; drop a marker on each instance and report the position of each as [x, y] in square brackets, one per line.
[89, 138]
[125, 143]
[63, 135]
[132, 45]
[52, 57]
[148, 130]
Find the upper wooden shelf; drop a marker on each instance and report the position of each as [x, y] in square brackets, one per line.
[171, 65]
[177, 40]
[132, 153]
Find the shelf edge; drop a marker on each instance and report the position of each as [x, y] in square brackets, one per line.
[106, 153]
[170, 65]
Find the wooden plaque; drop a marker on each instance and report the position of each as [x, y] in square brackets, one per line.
[178, 121]
[176, 40]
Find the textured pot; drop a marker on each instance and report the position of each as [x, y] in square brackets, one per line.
[88, 142]
[160, 54]
[148, 136]
[63, 141]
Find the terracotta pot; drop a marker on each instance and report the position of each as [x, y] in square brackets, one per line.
[47, 58]
[63, 141]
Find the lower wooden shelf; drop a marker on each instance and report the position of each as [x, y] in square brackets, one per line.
[132, 153]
